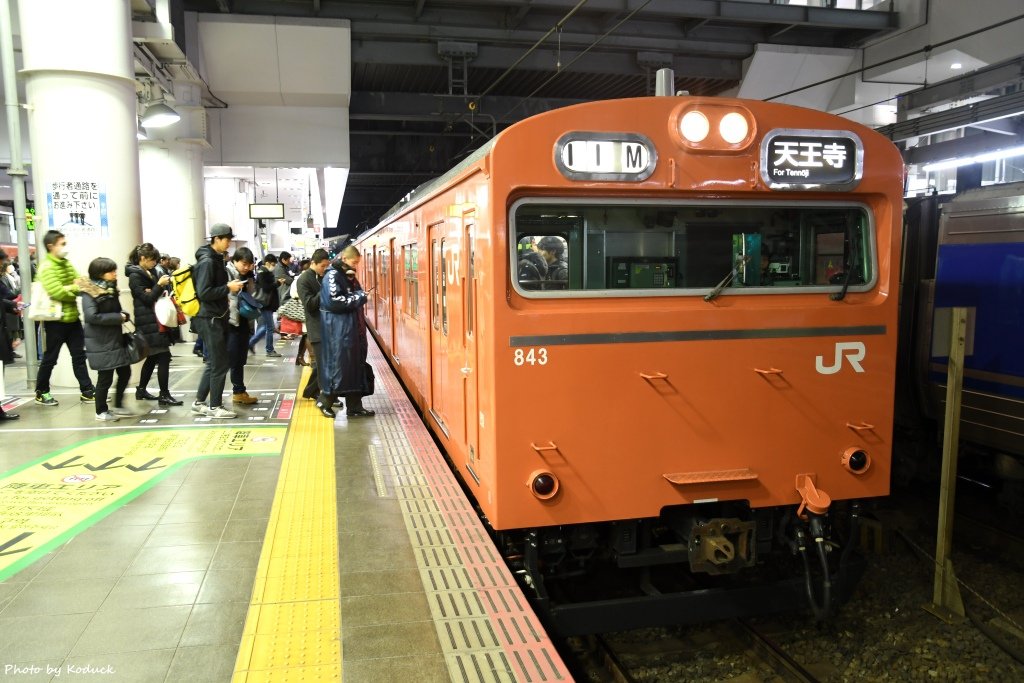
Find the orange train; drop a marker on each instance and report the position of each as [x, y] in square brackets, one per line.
[656, 332]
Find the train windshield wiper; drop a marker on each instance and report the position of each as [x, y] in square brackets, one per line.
[727, 280]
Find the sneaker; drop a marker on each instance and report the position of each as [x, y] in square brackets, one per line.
[88, 395]
[221, 413]
[244, 398]
[121, 412]
[107, 417]
[273, 354]
[200, 408]
[46, 400]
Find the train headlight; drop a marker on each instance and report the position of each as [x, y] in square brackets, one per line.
[856, 460]
[733, 128]
[543, 485]
[708, 126]
[694, 126]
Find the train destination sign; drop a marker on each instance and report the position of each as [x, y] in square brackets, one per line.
[795, 159]
[611, 157]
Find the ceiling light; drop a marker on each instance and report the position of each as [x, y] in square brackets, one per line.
[956, 65]
[159, 115]
[977, 159]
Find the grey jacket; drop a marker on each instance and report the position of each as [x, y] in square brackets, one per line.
[283, 290]
[249, 286]
[102, 320]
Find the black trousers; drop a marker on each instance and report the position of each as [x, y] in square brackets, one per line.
[58, 334]
[104, 378]
[162, 362]
[312, 389]
[238, 353]
[213, 332]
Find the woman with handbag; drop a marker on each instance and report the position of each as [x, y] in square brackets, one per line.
[147, 290]
[105, 347]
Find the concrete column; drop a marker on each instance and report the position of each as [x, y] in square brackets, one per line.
[80, 91]
[171, 163]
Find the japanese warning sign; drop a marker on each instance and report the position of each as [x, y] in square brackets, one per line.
[77, 207]
[48, 501]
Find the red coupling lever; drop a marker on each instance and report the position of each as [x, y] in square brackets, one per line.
[814, 501]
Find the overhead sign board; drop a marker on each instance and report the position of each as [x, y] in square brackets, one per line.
[800, 159]
[610, 157]
[265, 211]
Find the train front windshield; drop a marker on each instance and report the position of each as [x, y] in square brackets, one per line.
[573, 248]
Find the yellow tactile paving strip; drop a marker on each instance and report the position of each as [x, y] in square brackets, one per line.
[293, 629]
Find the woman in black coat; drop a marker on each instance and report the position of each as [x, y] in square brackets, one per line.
[105, 349]
[266, 294]
[343, 337]
[147, 287]
[7, 308]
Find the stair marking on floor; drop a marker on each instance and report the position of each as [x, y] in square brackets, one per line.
[293, 629]
[53, 498]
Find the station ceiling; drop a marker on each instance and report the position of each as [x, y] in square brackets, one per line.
[419, 65]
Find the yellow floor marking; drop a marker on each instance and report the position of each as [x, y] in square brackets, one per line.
[293, 628]
[49, 500]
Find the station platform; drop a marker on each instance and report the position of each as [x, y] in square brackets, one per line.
[277, 546]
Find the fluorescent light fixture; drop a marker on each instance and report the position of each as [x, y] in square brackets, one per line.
[141, 133]
[159, 115]
[977, 159]
[956, 65]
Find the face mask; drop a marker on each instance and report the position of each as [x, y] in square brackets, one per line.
[62, 253]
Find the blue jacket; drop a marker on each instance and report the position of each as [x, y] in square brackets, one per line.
[343, 345]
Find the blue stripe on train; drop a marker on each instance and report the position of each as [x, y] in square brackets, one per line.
[990, 279]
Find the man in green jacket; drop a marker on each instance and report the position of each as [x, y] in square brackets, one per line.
[58, 278]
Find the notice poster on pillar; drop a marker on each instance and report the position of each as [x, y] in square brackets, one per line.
[77, 208]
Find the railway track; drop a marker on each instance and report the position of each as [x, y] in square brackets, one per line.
[718, 652]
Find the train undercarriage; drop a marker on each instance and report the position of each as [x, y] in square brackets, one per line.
[691, 564]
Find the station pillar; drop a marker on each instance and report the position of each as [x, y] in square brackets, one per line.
[80, 95]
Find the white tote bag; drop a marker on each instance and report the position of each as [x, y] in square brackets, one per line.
[43, 307]
[166, 313]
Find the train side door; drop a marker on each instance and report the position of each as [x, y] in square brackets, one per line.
[382, 297]
[438, 324]
[469, 368]
[369, 282]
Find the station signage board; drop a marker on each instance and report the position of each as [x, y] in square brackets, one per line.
[609, 157]
[799, 159]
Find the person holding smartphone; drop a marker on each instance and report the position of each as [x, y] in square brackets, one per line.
[7, 306]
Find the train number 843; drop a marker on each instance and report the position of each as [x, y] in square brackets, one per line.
[530, 357]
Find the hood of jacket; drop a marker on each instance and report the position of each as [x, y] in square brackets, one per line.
[130, 268]
[207, 251]
[87, 286]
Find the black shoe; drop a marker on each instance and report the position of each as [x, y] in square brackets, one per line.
[361, 412]
[143, 395]
[8, 416]
[88, 395]
[325, 410]
[168, 400]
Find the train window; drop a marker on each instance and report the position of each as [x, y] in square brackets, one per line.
[575, 247]
[410, 258]
[435, 284]
[444, 289]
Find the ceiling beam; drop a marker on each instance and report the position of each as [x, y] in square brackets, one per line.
[400, 106]
[385, 52]
[958, 117]
[974, 83]
[967, 146]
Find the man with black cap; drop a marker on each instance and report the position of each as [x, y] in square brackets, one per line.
[212, 288]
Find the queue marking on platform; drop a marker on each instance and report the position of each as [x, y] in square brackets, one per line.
[53, 498]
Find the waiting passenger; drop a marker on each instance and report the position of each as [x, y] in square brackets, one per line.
[239, 329]
[532, 270]
[343, 341]
[147, 287]
[104, 340]
[553, 250]
[308, 286]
